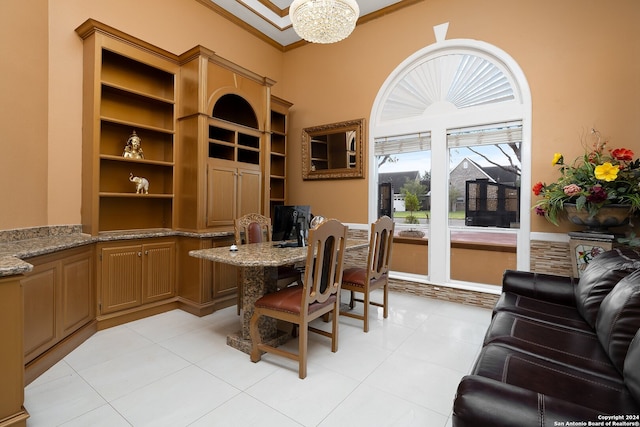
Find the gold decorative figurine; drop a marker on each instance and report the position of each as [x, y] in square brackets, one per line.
[133, 149]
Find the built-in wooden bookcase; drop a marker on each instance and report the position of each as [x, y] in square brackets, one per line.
[129, 86]
[278, 153]
[229, 141]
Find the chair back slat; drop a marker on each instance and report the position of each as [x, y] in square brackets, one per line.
[325, 262]
[380, 246]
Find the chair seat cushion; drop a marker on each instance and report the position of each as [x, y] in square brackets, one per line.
[356, 276]
[289, 300]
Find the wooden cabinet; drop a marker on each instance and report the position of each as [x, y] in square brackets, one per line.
[205, 286]
[12, 412]
[278, 153]
[132, 275]
[59, 298]
[234, 186]
[233, 191]
[195, 113]
[230, 126]
[224, 276]
[128, 86]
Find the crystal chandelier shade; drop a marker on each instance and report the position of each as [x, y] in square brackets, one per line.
[324, 21]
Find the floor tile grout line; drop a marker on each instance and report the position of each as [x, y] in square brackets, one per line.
[389, 351]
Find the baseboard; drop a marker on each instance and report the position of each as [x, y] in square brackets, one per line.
[125, 316]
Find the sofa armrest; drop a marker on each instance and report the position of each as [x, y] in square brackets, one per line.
[545, 287]
[481, 401]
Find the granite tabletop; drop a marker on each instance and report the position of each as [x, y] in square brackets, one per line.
[18, 245]
[265, 254]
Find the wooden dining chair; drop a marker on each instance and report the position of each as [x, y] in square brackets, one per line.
[318, 296]
[256, 228]
[364, 280]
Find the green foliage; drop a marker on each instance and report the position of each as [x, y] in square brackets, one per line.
[411, 219]
[411, 204]
[599, 177]
[413, 187]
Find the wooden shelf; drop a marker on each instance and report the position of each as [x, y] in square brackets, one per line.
[141, 161]
[141, 196]
[278, 153]
[228, 141]
[131, 89]
[121, 71]
[150, 97]
[137, 125]
[125, 107]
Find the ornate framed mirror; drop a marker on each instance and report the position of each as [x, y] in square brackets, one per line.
[333, 151]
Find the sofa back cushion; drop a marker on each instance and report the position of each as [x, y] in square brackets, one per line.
[600, 276]
[632, 368]
[619, 319]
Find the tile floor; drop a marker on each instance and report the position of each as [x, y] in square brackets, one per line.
[174, 369]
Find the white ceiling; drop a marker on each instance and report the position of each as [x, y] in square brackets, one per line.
[270, 18]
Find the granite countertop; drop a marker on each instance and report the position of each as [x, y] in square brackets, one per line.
[266, 254]
[20, 244]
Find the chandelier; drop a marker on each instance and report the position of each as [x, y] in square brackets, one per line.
[324, 21]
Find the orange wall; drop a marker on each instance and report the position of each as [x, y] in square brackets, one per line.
[23, 113]
[409, 257]
[581, 58]
[41, 118]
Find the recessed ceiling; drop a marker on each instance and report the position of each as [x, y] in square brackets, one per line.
[269, 19]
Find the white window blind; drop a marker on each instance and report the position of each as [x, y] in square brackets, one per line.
[497, 133]
[402, 143]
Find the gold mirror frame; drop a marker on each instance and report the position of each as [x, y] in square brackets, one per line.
[339, 143]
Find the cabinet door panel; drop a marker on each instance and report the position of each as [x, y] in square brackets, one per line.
[39, 289]
[121, 278]
[77, 299]
[249, 191]
[225, 276]
[158, 275]
[221, 195]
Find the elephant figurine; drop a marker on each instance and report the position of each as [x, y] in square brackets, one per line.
[142, 184]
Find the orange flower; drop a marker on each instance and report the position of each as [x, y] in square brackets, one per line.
[622, 154]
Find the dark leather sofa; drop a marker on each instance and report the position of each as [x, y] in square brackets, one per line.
[560, 352]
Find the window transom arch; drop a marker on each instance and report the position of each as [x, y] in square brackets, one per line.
[447, 81]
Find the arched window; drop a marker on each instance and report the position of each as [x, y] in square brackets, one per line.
[455, 115]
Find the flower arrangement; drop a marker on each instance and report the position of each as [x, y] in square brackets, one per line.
[598, 178]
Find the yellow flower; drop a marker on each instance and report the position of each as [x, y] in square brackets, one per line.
[557, 159]
[607, 171]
